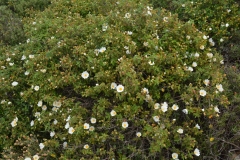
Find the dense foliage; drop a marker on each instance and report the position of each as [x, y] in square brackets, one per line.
[11, 27]
[117, 80]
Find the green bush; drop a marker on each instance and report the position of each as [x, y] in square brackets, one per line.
[11, 27]
[218, 19]
[225, 130]
[230, 49]
[22, 7]
[109, 80]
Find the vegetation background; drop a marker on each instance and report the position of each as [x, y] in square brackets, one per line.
[46, 46]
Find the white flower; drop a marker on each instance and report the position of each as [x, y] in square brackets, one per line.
[8, 59]
[175, 107]
[128, 52]
[210, 55]
[221, 62]
[129, 32]
[145, 91]
[227, 25]
[68, 119]
[43, 70]
[210, 40]
[188, 37]
[202, 47]
[127, 15]
[149, 13]
[113, 113]
[156, 106]
[64, 145]
[145, 44]
[26, 73]
[96, 51]
[183, 5]
[36, 88]
[120, 88]
[91, 128]
[221, 40]
[194, 64]
[205, 37]
[28, 40]
[93, 120]
[125, 124]
[55, 121]
[57, 104]
[206, 82]
[71, 130]
[14, 122]
[151, 63]
[196, 55]
[41, 145]
[44, 107]
[165, 19]
[104, 27]
[31, 56]
[174, 155]
[219, 87]
[67, 125]
[34, 23]
[55, 109]
[229, 10]
[86, 126]
[113, 85]
[37, 114]
[164, 106]
[149, 8]
[202, 93]
[11, 64]
[52, 134]
[40, 103]
[120, 59]
[32, 123]
[3, 101]
[138, 134]
[15, 119]
[197, 152]
[216, 109]
[185, 111]
[148, 98]
[23, 57]
[102, 49]
[27, 158]
[156, 118]
[180, 131]
[212, 43]
[190, 69]
[85, 75]
[86, 146]
[197, 126]
[36, 157]
[14, 83]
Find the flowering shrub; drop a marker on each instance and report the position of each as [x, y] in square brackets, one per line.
[118, 82]
[217, 19]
